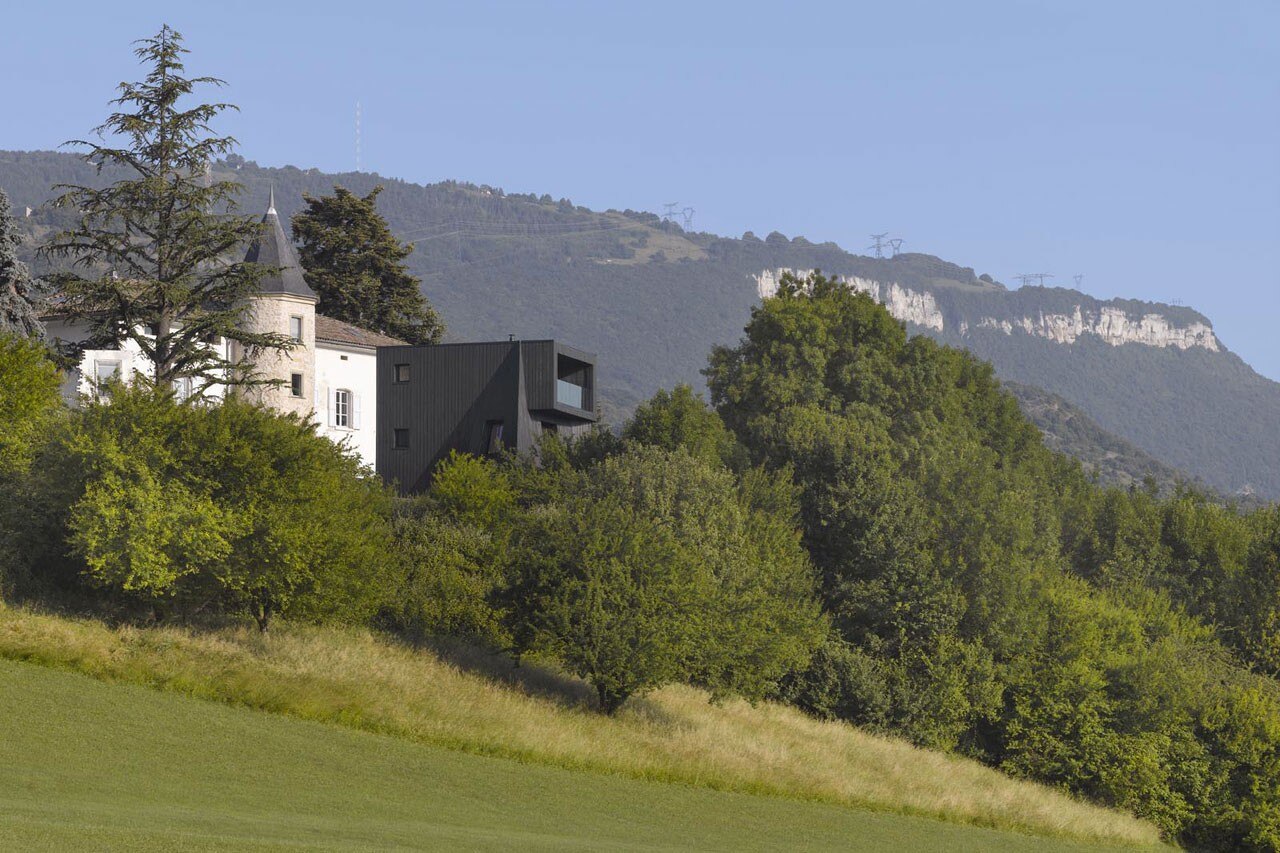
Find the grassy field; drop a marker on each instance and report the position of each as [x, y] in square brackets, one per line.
[475, 705]
[95, 766]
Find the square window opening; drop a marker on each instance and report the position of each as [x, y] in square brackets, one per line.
[105, 371]
[401, 439]
[402, 374]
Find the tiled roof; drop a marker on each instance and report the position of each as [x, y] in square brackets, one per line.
[338, 332]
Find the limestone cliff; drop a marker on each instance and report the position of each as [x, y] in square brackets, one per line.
[1108, 321]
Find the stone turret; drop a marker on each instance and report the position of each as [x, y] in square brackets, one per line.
[285, 305]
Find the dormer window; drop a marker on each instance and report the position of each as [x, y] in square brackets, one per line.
[295, 329]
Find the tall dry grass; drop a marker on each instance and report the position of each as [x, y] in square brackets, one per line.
[675, 735]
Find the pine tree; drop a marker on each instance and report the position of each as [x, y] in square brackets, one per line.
[158, 249]
[355, 264]
[19, 292]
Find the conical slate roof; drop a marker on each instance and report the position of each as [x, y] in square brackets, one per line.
[273, 249]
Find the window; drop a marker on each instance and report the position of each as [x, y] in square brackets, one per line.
[402, 373]
[295, 384]
[342, 408]
[295, 328]
[493, 439]
[550, 428]
[104, 371]
[401, 439]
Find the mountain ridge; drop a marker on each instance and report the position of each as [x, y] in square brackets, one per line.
[651, 299]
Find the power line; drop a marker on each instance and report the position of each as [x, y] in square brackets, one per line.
[470, 233]
[484, 228]
[672, 209]
[1038, 277]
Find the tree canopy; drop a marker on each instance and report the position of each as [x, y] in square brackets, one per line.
[989, 599]
[231, 508]
[20, 294]
[154, 253]
[652, 566]
[356, 266]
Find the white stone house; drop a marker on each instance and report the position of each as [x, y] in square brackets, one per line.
[329, 375]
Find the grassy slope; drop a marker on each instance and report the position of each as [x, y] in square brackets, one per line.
[93, 765]
[673, 736]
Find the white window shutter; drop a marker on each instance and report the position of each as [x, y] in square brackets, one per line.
[355, 410]
[333, 405]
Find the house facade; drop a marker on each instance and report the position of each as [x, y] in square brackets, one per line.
[400, 408]
[329, 375]
[477, 398]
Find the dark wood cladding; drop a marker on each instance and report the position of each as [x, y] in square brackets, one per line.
[455, 392]
[540, 367]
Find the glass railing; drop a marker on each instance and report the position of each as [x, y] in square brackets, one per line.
[571, 395]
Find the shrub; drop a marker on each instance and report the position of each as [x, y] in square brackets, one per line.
[31, 405]
[28, 397]
[452, 547]
[186, 508]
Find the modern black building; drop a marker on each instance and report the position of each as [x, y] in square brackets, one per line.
[479, 398]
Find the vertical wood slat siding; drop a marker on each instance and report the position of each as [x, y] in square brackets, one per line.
[453, 391]
[540, 373]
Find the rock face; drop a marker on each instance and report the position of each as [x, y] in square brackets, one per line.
[910, 306]
[1112, 324]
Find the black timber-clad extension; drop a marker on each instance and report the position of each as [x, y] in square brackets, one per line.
[477, 398]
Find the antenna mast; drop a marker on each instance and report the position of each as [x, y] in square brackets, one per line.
[358, 164]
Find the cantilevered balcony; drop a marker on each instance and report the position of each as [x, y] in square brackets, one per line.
[569, 394]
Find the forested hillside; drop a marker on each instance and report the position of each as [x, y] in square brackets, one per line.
[1067, 429]
[652, 299]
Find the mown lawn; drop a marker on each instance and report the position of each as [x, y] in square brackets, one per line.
[90, 765]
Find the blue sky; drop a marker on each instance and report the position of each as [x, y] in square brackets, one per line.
[1137, 143]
